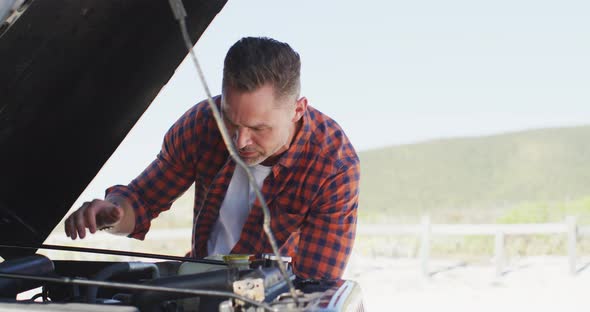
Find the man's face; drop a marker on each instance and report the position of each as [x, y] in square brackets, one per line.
[261, 125]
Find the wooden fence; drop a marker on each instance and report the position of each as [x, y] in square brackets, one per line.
[426, 230]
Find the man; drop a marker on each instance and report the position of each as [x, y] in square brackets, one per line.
[306, 167]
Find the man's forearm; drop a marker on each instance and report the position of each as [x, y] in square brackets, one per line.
[127, 223]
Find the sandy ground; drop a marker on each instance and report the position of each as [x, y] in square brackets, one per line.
[528, 284]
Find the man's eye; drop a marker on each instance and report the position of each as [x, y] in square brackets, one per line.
[228, 124]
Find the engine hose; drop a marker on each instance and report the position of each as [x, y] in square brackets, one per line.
[116, 269]
[213, 280]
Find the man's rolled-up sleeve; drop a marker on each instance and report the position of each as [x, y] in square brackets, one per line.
[164, 180]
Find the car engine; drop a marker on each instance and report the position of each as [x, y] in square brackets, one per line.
[199, 285]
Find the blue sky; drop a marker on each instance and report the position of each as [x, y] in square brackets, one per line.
[395, 72]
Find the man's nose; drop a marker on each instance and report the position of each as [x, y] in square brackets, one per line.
[243, 137]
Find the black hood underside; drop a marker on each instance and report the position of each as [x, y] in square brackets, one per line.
[75, 76]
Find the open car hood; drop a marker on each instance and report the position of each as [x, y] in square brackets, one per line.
[75, 76]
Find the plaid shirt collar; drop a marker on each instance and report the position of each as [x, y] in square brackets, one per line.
[290, 157]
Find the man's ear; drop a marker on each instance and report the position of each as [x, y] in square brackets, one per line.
[300, 108]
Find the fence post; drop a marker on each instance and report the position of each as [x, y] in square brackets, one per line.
[425, 246]
[572, 238]
[499, 252]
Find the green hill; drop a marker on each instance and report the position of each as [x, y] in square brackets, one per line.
[475, 179]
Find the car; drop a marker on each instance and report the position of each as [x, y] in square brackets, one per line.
[75, 77]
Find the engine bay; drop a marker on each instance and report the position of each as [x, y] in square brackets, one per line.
[40, 284]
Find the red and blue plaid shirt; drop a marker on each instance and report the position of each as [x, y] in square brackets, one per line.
[312, 191]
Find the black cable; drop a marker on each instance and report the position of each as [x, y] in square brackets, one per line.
[45, 294]
[39, 295]
[115, 252]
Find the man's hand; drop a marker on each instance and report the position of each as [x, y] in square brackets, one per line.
[98, 215]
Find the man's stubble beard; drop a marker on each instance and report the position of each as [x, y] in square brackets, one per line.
[261, 157]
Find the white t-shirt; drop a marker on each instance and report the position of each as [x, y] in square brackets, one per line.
[235, 210]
